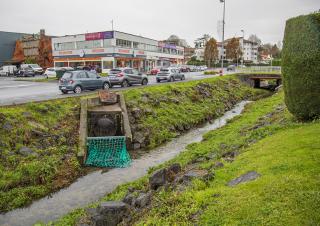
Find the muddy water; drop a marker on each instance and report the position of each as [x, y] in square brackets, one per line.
[94, 186]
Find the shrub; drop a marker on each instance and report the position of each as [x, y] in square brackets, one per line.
[301, 66]
[211, 72]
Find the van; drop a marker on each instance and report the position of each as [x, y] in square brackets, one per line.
[8, 70]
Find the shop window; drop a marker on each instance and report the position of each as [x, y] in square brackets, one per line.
[107, 64]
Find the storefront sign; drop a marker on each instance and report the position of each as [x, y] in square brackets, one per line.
[99, 35]
[65, 53]
[97, 51]
[124, 50]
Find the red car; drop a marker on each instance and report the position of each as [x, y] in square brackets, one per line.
[155, 71]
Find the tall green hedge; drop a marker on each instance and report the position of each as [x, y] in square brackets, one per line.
[301, 66]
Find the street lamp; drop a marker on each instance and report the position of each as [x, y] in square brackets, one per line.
[242, 47]
[223, 23]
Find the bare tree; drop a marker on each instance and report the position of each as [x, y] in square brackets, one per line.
[211, 52]
[256, 39]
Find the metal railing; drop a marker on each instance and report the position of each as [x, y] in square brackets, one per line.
[260, 69]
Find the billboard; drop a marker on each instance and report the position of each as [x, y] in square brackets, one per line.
[99, 35]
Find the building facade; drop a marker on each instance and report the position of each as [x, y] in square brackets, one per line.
[35, 47]
[113, 49]
[249, 50]
[7, 46]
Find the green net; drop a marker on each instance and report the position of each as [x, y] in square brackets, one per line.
[107, 152]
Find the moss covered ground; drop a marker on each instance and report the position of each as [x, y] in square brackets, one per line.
[269, 140]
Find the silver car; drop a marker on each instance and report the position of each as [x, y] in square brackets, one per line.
[127, 77]
[170, 75]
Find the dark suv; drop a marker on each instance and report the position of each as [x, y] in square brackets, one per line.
[77, 81]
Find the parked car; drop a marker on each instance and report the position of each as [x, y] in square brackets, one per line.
[35, 67]
[8, 70]
[185, 68]
[127, 77]
[78, 81]
[231, 68]
[26, 71]
[155, 71]
[169, 74]
[84, 68]
[52, 71]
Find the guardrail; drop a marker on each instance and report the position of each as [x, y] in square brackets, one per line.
[260, 69]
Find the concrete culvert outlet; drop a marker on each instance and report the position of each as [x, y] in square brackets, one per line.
[105, 127]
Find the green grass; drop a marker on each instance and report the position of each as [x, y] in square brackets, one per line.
[167, 109]
[25, 178]
[37, 80]
[210, 73]
[284, 151]
[54, 164]
[287, 156]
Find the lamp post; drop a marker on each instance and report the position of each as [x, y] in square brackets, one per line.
[242, 47]
[223, 24]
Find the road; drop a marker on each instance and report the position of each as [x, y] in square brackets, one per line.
[19, 92]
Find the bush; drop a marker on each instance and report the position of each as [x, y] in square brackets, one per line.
[210, 73]
[301, 66]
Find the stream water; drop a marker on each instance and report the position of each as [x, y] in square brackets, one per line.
[94, 186]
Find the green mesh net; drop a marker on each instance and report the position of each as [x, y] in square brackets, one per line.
[107, 152]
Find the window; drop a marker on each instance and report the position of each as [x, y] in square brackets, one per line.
[82, 75]
[128, 71]
[124, 43]
[64, 46]
[107, 43]
[89, 44]
[92, 75]
[135, 45]
[107, 64]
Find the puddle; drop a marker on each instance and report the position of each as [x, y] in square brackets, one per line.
[94, 186]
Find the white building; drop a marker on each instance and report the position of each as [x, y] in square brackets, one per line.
[112, 49]
[249, 49]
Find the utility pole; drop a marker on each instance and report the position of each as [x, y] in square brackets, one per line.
[242, 47]
[223, 24]
[112, 24]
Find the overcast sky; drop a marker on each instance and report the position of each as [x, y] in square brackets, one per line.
[189, 19]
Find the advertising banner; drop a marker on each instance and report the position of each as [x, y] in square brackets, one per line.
[99, 35]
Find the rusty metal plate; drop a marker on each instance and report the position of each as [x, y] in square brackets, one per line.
[108, 97]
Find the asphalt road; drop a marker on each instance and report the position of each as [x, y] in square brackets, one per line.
[18, 92]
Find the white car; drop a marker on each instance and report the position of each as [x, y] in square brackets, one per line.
[51, 72]
[8, 70]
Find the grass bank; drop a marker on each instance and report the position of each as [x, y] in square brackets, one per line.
[268, 140]
[38, 146]
[39, 140]
[160, 113]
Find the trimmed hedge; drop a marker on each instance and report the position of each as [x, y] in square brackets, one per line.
[301, 66]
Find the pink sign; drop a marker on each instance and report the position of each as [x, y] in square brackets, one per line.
[94, 36]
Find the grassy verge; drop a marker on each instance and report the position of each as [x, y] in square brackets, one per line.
[37, 150]
[210, 73]
[39, 140]
[285, 152]
[160, 113]
[37, 80]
